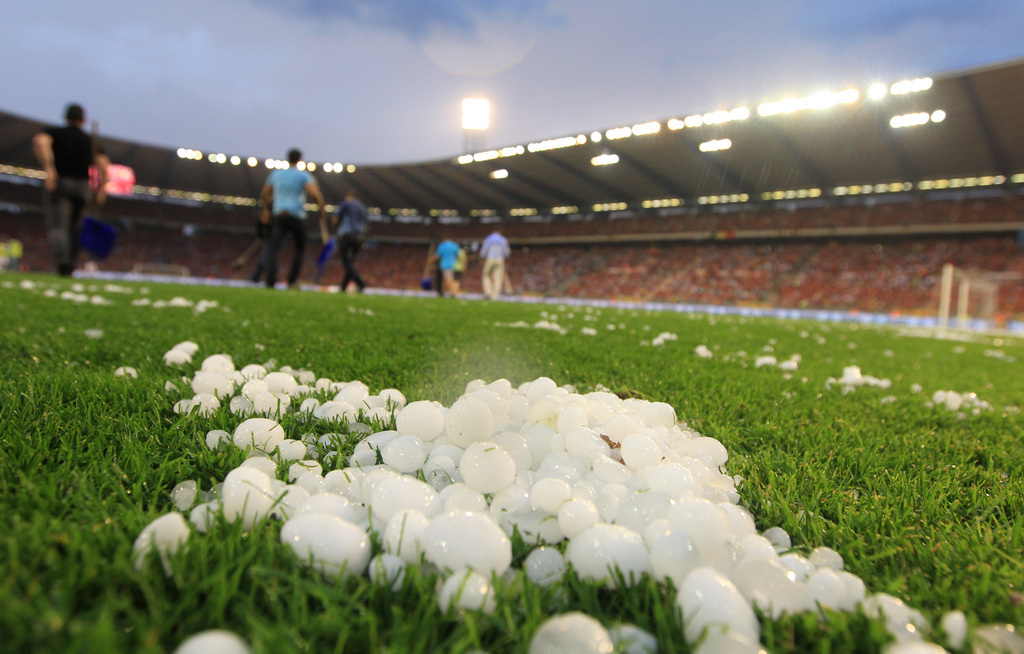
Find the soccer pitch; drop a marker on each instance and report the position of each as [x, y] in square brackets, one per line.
[923, 502]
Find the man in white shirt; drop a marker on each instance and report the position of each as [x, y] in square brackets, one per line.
[493, 252]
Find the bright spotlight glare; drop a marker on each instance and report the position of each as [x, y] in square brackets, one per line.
[475, 113]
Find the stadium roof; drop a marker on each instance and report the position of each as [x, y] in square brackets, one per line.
[962, 128]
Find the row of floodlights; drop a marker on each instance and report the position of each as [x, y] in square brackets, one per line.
[252, 162]
[785, 106]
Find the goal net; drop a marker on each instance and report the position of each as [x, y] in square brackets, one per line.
[975, 294]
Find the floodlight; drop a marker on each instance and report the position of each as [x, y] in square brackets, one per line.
[475, 113]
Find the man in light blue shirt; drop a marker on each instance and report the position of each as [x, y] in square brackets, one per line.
[283, 200]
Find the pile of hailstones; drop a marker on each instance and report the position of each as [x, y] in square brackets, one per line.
[615, 488]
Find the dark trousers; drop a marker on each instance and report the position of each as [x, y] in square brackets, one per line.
[284, 224]
[62, 210]
[348, 247]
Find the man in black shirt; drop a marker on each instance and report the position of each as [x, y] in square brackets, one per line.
[66, 153]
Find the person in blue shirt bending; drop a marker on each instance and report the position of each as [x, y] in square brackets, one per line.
[283, 201]
[445, 257]
[351, 229]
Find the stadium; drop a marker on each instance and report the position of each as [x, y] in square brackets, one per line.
[851, 200]
[721, 411]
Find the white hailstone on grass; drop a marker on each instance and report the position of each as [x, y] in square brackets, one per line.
[94, 333]
[214, 382]
[487, 468]
[545, 566]
[253, 371]
[576, 516]
[393, 494]
[770, 586]
[328, 543]
[467, 540]
[305, 466]
[913, 647]
[468, 421]
[332, 504]
[998, 638]
[264, 464]
[901, 621]
[126, 371]
[467, 590]
[279, 382]
[354, 392]
[177, 358]
[261, 434]
[571, 632]
[288, 502]
[672, 552]
[703, 352]
[213, 641]
[461, 498]
[549, 494]
[388, 570]
[247, 495]
[183, 495]
[731, 642]
[710, 601]
[779, 538]
[253, 386]
[405, 454]
[218, 363]
[954, 625]
[630, 639]
[604, 551]
[393, 397]
[335, 410]
[403, 536]
[423, 419]
[217, 437]
[825, 588]
[663, 337]
[344, 482]
[639, 451]
[164, 535]
[707, 524]
[270, 404]
[826, 557]
[515, 445]
[672, 478]
[206, 403]
[203, 515]
[291, 450]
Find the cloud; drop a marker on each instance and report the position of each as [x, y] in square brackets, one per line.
[418, 19]
[874, 18]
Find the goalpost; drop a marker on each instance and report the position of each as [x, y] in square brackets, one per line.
[983, 285]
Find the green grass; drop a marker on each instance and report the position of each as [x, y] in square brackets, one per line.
[921, 504]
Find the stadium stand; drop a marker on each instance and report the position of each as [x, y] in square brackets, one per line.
[882, 258]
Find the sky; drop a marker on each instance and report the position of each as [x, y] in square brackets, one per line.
[382, 82]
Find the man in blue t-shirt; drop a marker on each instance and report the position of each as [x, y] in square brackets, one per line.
[283, 201]
[351, 226]
[447, 254]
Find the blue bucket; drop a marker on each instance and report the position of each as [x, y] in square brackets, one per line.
[97, 237]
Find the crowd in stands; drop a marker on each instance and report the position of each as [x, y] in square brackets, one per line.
[875, 273]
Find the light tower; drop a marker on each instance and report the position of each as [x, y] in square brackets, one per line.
[475, 119]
